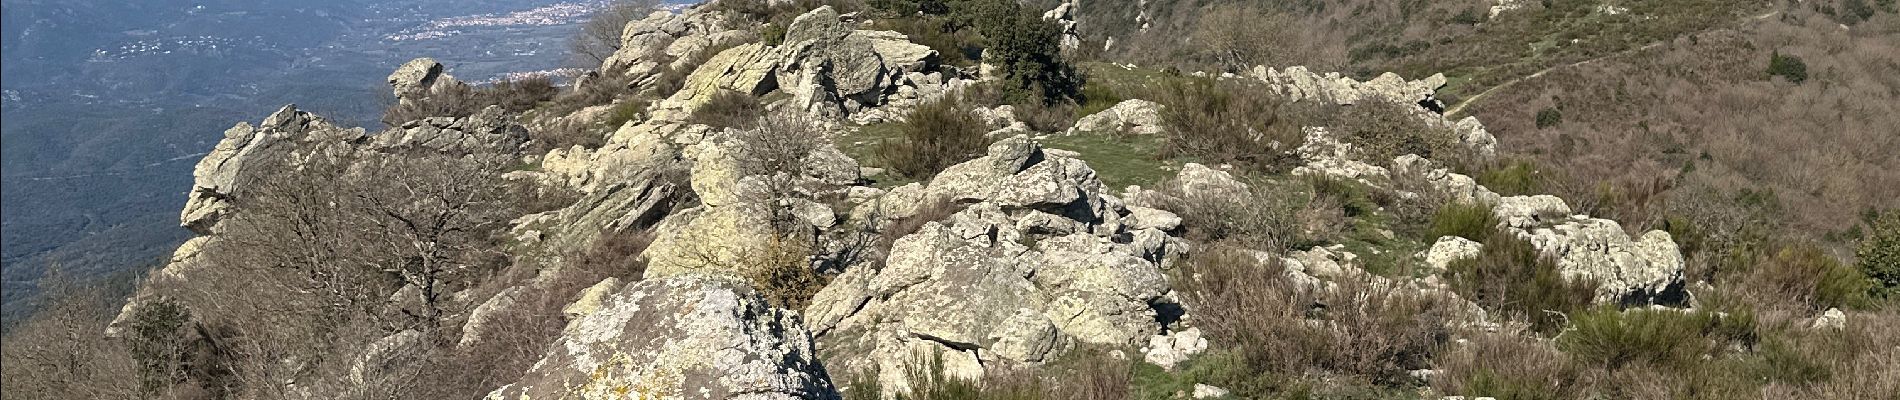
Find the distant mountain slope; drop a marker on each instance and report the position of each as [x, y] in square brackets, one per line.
[107, 103]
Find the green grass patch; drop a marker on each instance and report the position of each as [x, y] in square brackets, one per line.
[1120, 161]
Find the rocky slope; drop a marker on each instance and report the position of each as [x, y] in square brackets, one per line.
[1037, 259]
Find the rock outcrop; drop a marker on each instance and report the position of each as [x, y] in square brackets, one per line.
[665, 40]
[1039, 260]
[217, 178]
[682, 337]
[1297, 84]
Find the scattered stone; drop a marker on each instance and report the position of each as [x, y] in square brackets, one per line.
[1833, 318]
[1205, 391]
[1174, 347]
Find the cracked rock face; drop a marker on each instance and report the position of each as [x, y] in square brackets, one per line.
[682, 337]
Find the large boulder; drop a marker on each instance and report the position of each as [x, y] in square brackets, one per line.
[1136, 117]
[1641, 271]
[683, 337]
[419, 78]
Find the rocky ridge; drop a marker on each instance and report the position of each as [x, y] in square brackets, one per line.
[1039, 258]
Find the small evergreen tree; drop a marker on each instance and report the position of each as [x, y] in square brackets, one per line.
[1788, 67]
[1880, 252]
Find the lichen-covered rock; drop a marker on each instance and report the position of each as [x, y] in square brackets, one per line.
[1529, 212]
[899, 54]
[682, 337]
[1642, 271]
[1197, 180]
[1037, 262]
[590, 299]
[1453, 186]
[1015, 173]
[1451, 248]
[1135, 116]
[1326, 154]
[746, 69]
[664, 39]
[1833, 319]
[1298, 84]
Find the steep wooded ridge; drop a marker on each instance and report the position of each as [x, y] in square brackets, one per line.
[934, 200]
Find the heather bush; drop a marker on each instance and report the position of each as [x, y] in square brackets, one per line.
[1263, 216]
[1787, 67]
[1469, 221]
[1385, 129]
[1277, 326]
[1515, 178]
[457, 101]
[1512, 279]
[1226, 122]
[934, 136]
[1549, 117]
[1614, 339]
[729, 109]
[1510, 367]
[1806, 276]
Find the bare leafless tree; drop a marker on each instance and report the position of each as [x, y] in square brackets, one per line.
[599, 37]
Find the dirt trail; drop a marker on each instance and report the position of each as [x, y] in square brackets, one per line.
[1460, 107]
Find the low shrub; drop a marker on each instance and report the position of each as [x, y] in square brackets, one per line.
[1806, 276]
[784, 273]
[567, 133]
[1263, 217]
[1513, 279]
[1549, 117]
[1226, 122]
[1041, 117]
[1788, 67]
[1281, 327]
[935, 136]
[729, 109]
[1516, 178]
[625, 110]
[1385, 129]
[615, 254]
[1469, 221]
[1615, 339]
[1509, 367]
[522, 94]
[935, 209]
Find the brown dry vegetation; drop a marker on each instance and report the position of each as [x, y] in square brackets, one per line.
[1700, 112]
